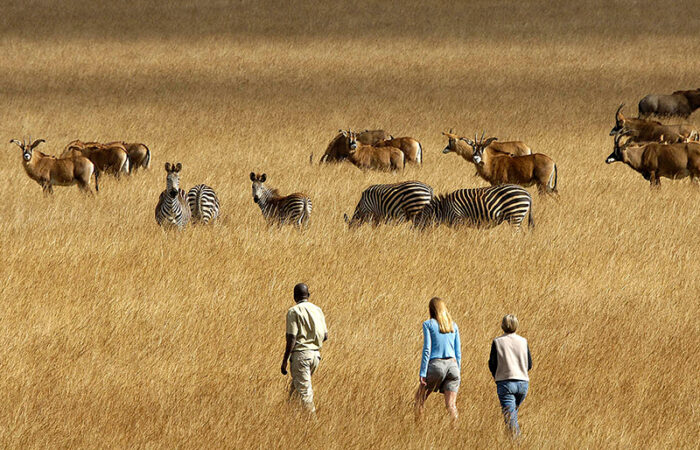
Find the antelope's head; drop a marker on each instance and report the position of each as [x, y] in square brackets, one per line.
[173, 179]
[258, 185]
[27, 148]
[478, 146]
[618, 150]
[619, 121]
[451, 142]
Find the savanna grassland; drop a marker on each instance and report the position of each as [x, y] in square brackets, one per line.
[114, 333]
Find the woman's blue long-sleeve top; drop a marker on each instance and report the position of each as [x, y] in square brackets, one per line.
[438, 345]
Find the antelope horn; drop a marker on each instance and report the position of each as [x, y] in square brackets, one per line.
[15, 141]
[483, 134]
[475, 138]
[617, 113]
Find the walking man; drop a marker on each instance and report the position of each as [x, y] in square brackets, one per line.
[509, 363]
[306, 332]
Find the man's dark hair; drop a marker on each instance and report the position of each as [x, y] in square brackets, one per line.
[301, 292]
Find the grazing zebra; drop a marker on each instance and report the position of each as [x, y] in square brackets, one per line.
[481, 207]
[172, 209]
[396, 202]
[204, 204]
[294, 208]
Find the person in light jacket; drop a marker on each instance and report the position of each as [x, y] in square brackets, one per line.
[509, 363]
[442, 358]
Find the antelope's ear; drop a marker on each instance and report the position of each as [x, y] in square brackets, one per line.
[252, 176]
[444, 134]
[263, 177]
[36, 143]
[178, 167]
[167, 167]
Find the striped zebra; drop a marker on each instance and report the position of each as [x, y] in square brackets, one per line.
[294, 208]
[204, 204]
[172, 209]
[480, 207]
[398, 202]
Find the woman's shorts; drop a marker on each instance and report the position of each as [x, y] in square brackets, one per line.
[443, 375]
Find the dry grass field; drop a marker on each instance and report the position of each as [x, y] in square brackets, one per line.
[114, 333]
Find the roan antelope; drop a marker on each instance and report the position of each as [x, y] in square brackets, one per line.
[655, 160]
[111, 158]
[644, 130]
[454, 144]
[411, 148]
[49, 171]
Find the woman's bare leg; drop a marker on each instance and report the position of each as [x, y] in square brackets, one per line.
[421, 395]
[451, 404]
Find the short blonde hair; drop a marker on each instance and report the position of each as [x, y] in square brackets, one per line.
[509, 323]
[438, 311]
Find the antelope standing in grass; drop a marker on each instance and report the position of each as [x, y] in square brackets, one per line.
[465, 147]
[369, 157]
[337, 149]
[172, 209]
[49, 171]
[111, 158]
[655, 160]
[203, 203]
[680, 103]
[294, 208]
[498, 167]
[139, 155]
[644, 130]
[480, 207]
[396, 202]
[411, 148]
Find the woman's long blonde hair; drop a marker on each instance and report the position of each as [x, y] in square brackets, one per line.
[438, 311]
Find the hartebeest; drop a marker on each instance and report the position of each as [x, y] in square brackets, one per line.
[655, 160]
[111, 158]
[498, 167]
[49, 171]
[680, 103]
[644, 130]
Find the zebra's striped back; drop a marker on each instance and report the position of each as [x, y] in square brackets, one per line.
[294, 208]
[203, 203]
[480, 207]
[173, 211]
[392, 202]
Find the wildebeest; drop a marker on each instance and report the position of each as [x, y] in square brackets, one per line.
[411, 148]
[49, 170]
[680, 103]
[645, 130]
[111, 158]
[498, 167]
[655, 160]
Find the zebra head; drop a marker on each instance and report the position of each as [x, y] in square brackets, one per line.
[173, 179]
[259, 189]
[27, 148]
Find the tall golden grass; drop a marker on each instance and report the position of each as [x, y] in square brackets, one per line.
[116, 333]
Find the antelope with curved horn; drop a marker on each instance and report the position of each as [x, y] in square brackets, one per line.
[644, 130]
[49, 171]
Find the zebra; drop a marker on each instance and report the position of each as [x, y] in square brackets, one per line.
[481, 207]
[396, 202]
[172, 209]
[294, 208]
[203, 203]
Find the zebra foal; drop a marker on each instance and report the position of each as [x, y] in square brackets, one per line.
[480, 207]
[294, 208]
[172, 209]
[203, 203]
[398, 202]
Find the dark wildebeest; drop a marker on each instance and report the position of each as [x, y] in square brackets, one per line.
[680, 103]
[645, 130]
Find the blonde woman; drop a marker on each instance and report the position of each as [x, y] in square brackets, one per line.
[442, 358]
[509, 364]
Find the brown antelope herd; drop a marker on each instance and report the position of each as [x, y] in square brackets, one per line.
[651, 148]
